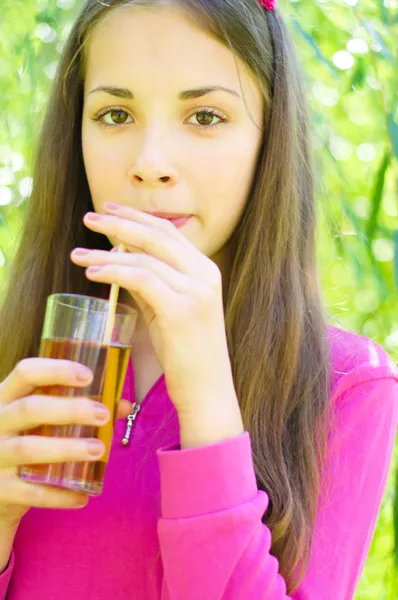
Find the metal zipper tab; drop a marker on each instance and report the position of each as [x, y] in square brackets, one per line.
[130, 420]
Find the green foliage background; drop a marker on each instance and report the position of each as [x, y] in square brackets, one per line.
[348, 50]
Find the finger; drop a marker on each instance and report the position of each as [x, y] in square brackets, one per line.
[31, 373]
[124, 409]
[132, 214]
[139, 281]
[32, 411]
[17, 491]
[100, 258]
[41, 450]
[159, 242]
[139, 267]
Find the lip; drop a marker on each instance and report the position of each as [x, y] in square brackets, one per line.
[178, 220]
[167, 215]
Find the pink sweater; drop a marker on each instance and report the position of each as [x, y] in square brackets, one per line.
[177, 524]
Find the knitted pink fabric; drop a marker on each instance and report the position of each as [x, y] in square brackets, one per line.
[176, 524]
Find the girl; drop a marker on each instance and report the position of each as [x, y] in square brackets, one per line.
[257, 463]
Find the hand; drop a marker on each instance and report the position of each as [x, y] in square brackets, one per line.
[179, 291]
[21, 411]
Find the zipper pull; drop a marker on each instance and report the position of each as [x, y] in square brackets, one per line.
[130, 420]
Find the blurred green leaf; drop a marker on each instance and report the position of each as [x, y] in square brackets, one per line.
[371, 29]
[311, 42]
[393, 131]
[358, 77]
[395, 241]
[384, 13]
[377, 195]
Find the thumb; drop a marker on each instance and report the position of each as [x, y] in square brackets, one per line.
[124, 409]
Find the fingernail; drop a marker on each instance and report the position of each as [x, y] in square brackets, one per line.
[93, 217]
[80, 252]
[80, 505]
[83, 374]
[95, 448]
[102, 413]
[112, 205]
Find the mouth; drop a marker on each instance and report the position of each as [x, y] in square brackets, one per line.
[180, 221]
[177, 219]
[166, 215]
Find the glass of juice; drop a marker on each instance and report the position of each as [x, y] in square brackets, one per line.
[74, 328]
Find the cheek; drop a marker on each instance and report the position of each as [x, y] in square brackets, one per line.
[91, 155]
[227, 190]
[225, 196]
[228, 214]
[100, 163]
[100, 154]
[103, 170]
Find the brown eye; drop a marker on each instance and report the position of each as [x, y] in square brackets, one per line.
[117, 117]
[205, 118]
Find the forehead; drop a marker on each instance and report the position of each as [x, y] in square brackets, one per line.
[162, 48]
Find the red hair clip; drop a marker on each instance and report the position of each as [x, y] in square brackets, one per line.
[268, 4]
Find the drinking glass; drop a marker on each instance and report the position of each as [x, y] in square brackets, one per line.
[74, 327]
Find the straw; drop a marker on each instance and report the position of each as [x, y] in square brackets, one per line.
[110, 319]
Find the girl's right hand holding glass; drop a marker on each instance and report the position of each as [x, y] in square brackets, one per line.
[21, 410]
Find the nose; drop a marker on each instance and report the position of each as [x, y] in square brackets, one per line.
[140, 180]
[152, 167]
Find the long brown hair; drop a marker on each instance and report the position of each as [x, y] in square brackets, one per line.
[275, 321]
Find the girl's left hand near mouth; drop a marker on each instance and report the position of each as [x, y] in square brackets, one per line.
[179, 291]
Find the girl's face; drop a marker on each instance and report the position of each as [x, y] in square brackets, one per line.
[148, 149]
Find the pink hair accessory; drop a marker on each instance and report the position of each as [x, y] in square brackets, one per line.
[268, 4]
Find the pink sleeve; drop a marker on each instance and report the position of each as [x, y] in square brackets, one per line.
[5, 577]
[212, 540]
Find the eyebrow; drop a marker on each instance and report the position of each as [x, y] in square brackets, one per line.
[187, 95]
